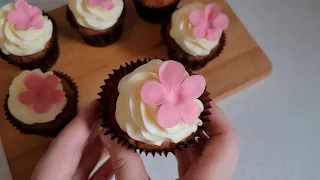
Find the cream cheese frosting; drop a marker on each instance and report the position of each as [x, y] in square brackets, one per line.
[95, 17]
[26, 42]
[25, 113]
[138, 119]
[181, 32]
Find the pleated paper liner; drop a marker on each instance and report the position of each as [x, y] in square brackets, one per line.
[108, 99]
[52, 128]
[43, 60]
[154, 15]
[98, 38]
[190, 61]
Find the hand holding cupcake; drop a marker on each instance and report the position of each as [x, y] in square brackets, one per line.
[195, 34]
[154, 106]
[28, 37]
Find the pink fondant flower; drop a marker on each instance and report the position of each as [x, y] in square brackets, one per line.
[174, 94]
[208, 24]
[41, 92]
[106, 4]
[25, 16]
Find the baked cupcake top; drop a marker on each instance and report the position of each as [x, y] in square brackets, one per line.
[158, 102]
[197, 27]
[96, 14]
[36, 97]
[24, 30]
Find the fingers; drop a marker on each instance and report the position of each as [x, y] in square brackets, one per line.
[220, 154]
[184, 161]
[65, 151]
[105, 172]
[126, 163]
[90, 156]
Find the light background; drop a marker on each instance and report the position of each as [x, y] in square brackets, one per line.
[279, 118]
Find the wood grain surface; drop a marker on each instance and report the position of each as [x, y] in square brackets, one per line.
[241, 64]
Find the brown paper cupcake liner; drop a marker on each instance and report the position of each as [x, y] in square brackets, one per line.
[154, 15]
[108, 99]
[44, 59]
[98, 38]
[192, 62]
[52, 128]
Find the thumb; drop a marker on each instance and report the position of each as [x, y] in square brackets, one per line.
[126, 163]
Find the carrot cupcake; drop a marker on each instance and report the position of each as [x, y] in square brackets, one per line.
[41, 103]
[154, 106]
[194, 35]
[99, 22]
[28, 37]
[155, 11]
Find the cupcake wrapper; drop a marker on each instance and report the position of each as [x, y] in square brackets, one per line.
[53, 128]
[104, 38]
[154, 15]
[108, 99]
[34, 61]
[184, 58]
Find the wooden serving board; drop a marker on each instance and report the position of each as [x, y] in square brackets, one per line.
[242, 63]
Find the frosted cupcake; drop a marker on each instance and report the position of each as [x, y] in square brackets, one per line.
[41, 103]
[154, 106]
[99, 22]
[28, 38]
[154, 11]
[194, 35]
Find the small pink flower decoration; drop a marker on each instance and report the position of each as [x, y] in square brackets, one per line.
[106, 4]
[41, 92]
[208, 24]
[25, 16]
[175, 95]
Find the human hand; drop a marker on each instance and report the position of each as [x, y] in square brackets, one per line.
[215, 157]
[74, 154]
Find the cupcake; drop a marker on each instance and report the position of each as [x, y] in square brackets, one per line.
[41, 103]
[195, 34]
[99, 22]
[154, 106]
[155, 11]
[28, 37]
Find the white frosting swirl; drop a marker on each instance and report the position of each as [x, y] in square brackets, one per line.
[181, 32]
[138, 119]
[25, 113]
[95, 17]
[22, 43]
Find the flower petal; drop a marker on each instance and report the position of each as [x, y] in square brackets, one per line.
[213, 34]
[36, 23]
[41, 107]
[51, 82]
[153, 93]
[212, 10]
[221, 22]
[22, 5]
[171, 74]
[107, 5]
[16, 17]
[168, 116]
[28, 97]
[57, 96]
[197, 17]
[33, 81]
[191, 88]
[35, 12]
[199, 32]
[190, 112]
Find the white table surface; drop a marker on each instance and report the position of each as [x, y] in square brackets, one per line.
[279, 118]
